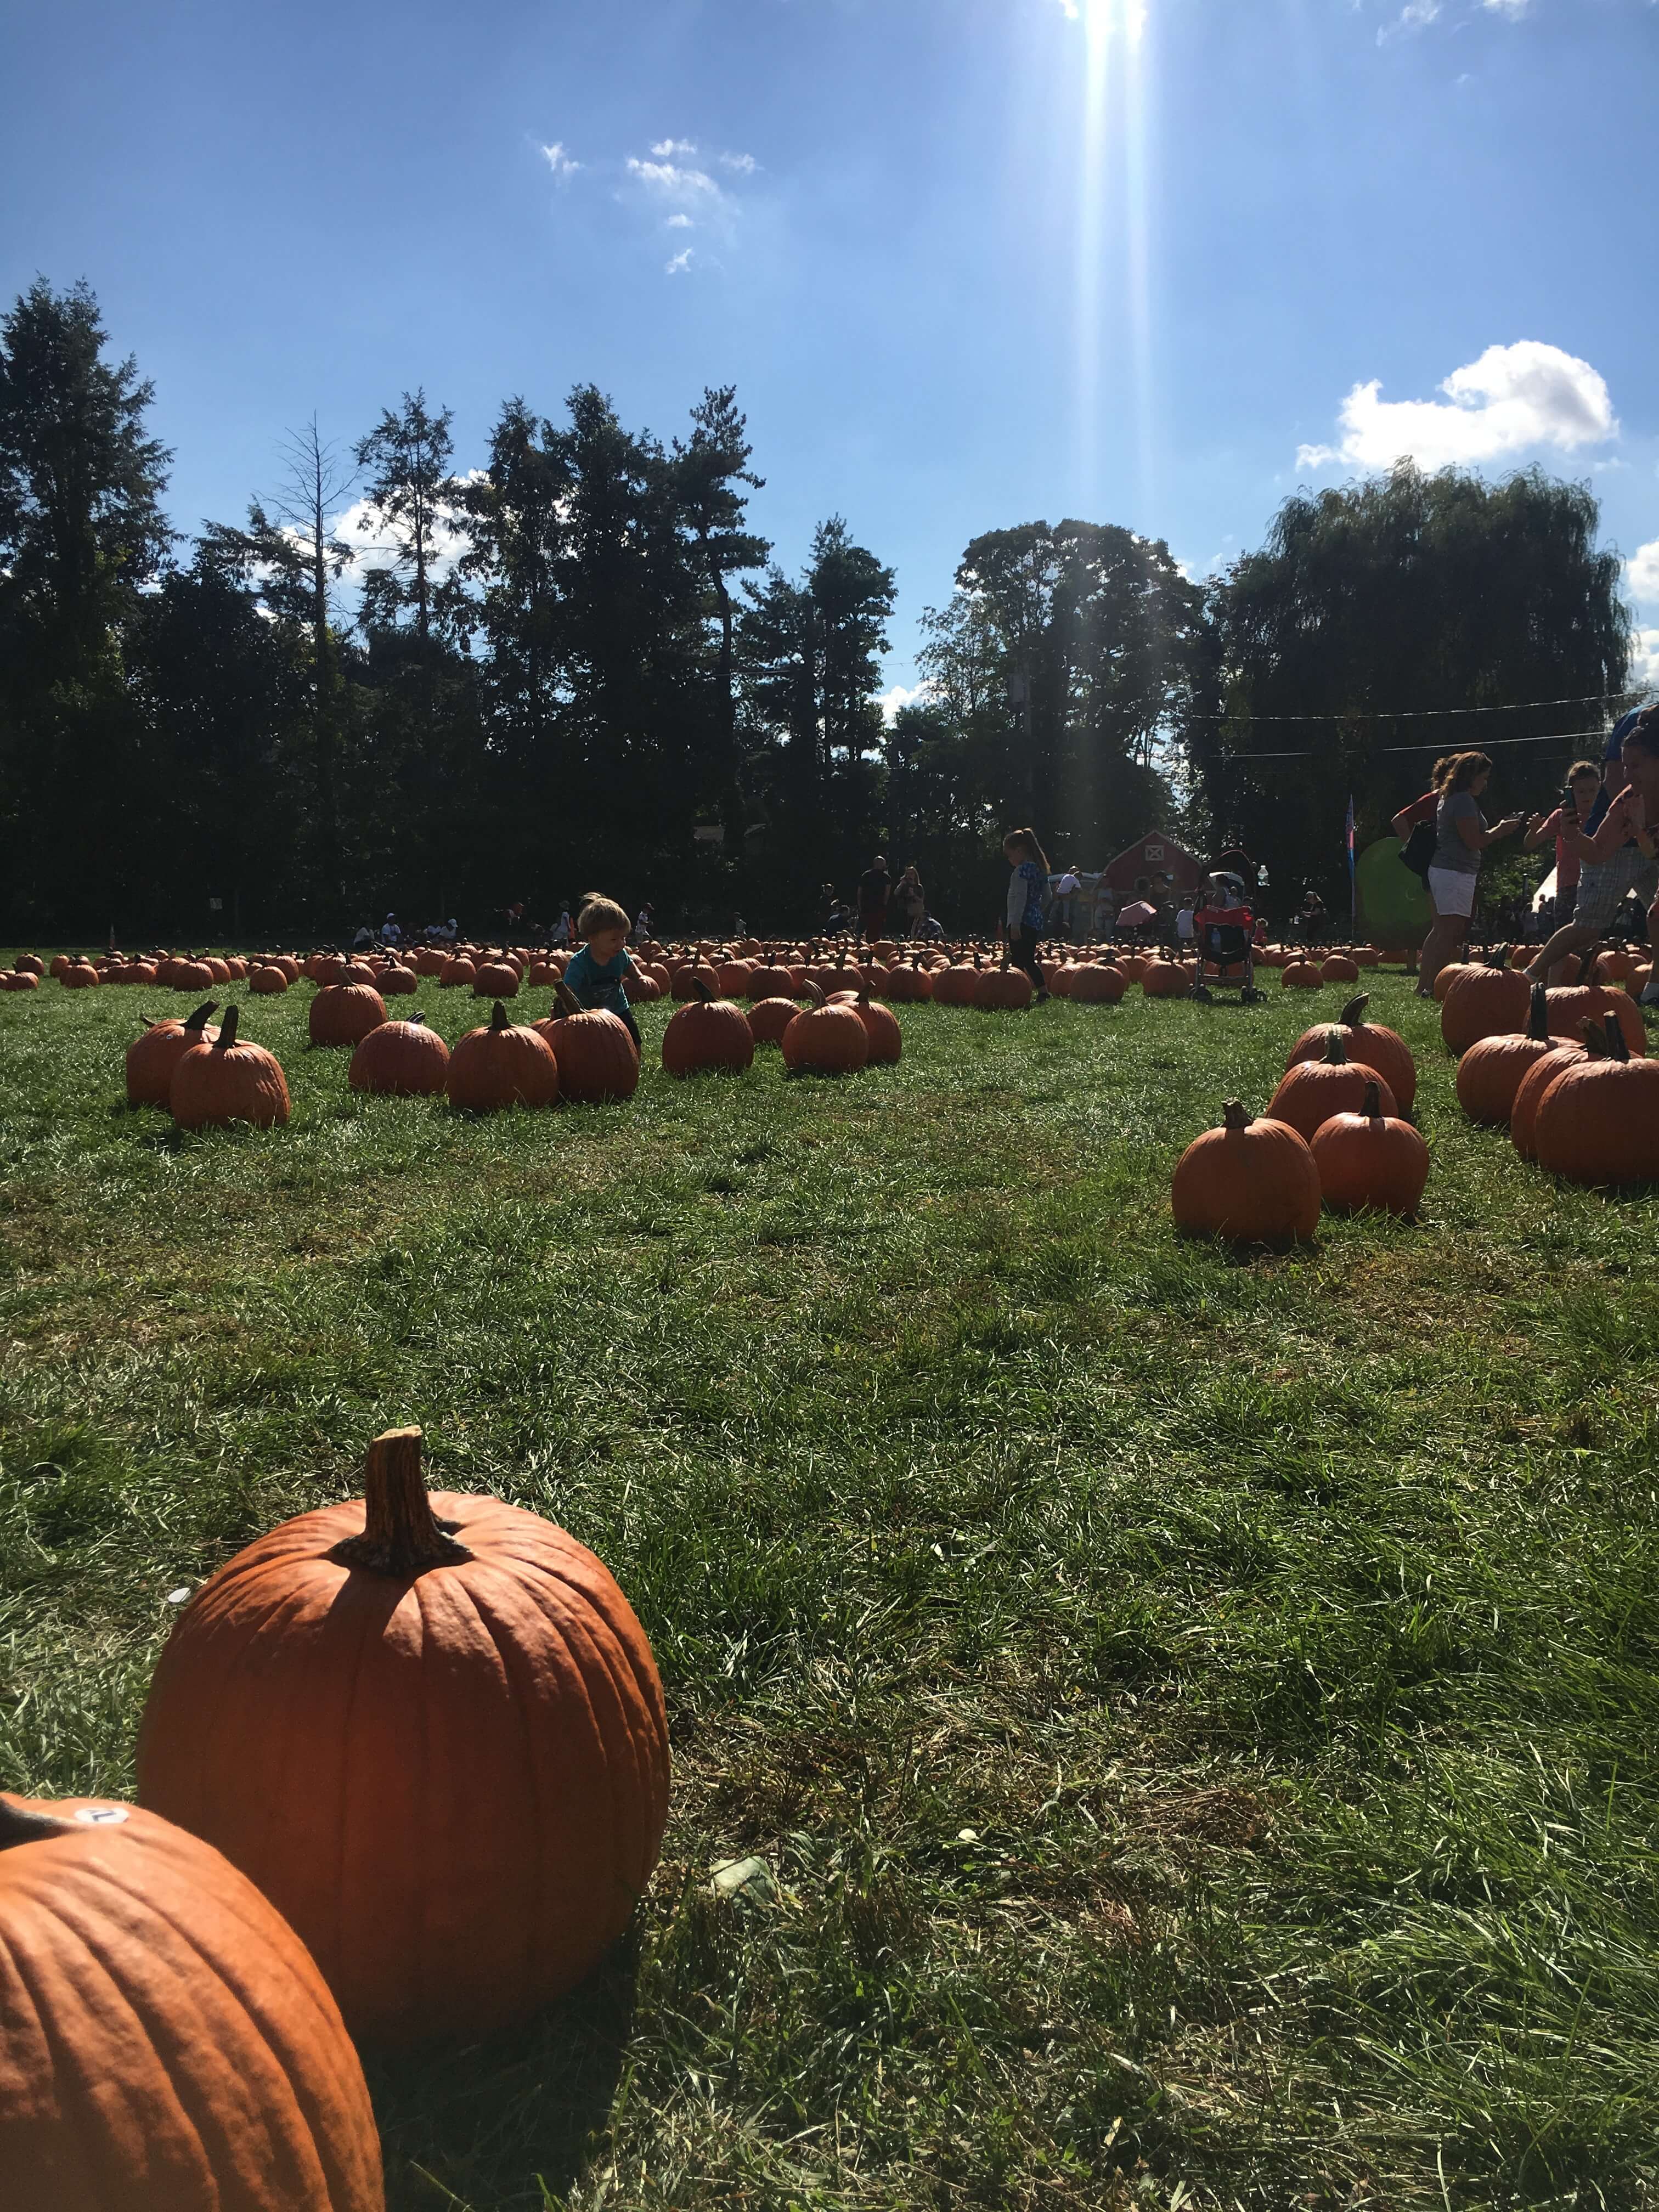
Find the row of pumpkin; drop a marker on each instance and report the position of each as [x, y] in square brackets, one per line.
[1566, 1070]
[402, 1775]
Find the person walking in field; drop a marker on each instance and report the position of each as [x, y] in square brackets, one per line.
[1027, 913]
[910, 903]
[1461, 835]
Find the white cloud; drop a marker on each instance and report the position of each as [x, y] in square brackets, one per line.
[679, 223]
[897, 695]
[1644, 659]
[670, 149]
[1642, 571]
[1513, 396]
[681, 262]
[670, 180]
[1415, 16]
[1511, 10]
[559, 162]
[358, 529]
[744, 164]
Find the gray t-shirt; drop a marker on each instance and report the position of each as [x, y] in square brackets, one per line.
[1451, 852]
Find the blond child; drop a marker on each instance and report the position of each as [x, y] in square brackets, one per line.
[599, 973]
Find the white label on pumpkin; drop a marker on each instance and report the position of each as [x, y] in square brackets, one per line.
[103, 1816]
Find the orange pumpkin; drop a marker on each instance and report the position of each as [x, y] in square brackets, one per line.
[1098, 983]
[268, 980]
[768, 1018]
[707, 1034]
[1370, 1158]
[1570, 1005]
[881, 1027]
[1301, 975]
[1529, 1091]
[1384, 1050]
[344, 1013]
[1312, 1090]
[152, 1058]
[1489, 1073]
[228, 1080]
[1005, 990]
[497, 979]
[400, 1059]
[597, 1062]
[501, 1065]
[1598, 1120]
[432, 1731]
[1251, 1180]
[164, 2041]
[826, 1040]
[1491, 998]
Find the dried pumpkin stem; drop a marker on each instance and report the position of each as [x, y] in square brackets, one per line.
[226, 1036]
[565, 999]
[401, 1535]
[19, 1825]
[1233, 1115]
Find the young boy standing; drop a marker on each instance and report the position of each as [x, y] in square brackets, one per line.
[599, 973]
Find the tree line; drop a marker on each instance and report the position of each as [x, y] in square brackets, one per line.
[580, 665]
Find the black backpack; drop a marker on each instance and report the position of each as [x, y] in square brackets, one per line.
[1419, 850]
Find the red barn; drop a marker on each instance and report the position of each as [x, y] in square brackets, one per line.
[1156, 868]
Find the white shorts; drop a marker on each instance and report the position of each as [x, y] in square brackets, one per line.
[1452, 889]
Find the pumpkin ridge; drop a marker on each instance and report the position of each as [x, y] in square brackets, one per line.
[239, 1997]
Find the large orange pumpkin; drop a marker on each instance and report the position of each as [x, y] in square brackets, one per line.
[1489, 1073]
[1253, 1182]
[152, 1058]
[1536, 1080]
[344, 1013]
[504, 1064]
[400, 1059]
[1384, 1050]
[1598, 1120]
[707, 1033]
[1490, 1000]
[228, 1080]
[1570, 1005]
[432, 1730]
[826, 1040]
[164, 2041]
[882, 1027]
[597, 1060]
[1312, 1090]
[1369, 1158]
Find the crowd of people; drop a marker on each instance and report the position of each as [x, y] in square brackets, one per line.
[1602, 829]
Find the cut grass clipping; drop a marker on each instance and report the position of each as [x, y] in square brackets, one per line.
[1196, 1715]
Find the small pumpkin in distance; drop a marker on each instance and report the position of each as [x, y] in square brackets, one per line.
[825, 1039]
[344, 1013]
[1370, 1158]
[881, 1027]
[430, 1728]
[165, 2039]
[1251, 1180]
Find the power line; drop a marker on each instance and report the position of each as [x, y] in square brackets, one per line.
[1555, 737]
[1426, 713]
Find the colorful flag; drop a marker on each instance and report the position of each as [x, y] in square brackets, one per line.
[1348, 836]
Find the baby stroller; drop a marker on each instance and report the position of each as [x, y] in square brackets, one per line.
[1222, 930]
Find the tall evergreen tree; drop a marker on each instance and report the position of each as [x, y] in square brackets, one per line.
[710, 470]
[81, 531]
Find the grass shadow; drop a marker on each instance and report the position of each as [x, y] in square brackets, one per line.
[507, 2126]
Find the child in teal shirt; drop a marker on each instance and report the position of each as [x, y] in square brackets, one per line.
[599, 973]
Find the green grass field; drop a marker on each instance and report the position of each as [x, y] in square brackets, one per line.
[1201, 1714]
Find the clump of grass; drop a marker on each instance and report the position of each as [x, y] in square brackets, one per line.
[1197, 1711]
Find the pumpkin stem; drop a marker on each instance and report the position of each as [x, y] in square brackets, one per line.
[1336, 1053]
[811, 993]
[1538, 1020]
[401, 1535]
[566, 1000]
[498, 1020]
[1617, 1048]
[700, 984]
[1371, 1105]
[226, 1036]
[198, 1021]
[1234, 1116]
[1353, 1013]
[19, 1825]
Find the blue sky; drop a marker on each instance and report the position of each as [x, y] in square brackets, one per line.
[968, 262]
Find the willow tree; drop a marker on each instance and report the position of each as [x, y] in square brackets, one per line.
[1374, 603]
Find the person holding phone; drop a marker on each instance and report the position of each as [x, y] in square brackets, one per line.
[1619, 850]
[1461, 835]
[1577, 805]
